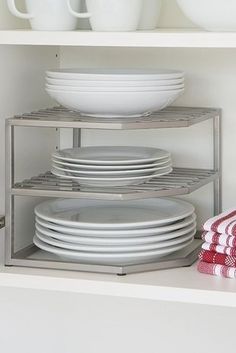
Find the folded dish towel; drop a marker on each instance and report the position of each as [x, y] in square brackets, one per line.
[225, 223]
[217, 270]
[215, 258]
[219, 239]
[219, 249]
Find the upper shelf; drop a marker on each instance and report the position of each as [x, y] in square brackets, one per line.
[164, 38]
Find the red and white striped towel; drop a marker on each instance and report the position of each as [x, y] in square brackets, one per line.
[220, 239]
[215, 258]
[217, 270]
[225, 223]
[219, 249]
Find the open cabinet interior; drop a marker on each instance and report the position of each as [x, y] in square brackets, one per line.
[68, 311]
[209, 83]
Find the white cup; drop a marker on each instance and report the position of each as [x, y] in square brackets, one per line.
[112, 15]
[48, 15]
[150, 14]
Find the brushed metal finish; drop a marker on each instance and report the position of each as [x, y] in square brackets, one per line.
[60, 117]
[180, 182]
[32, 257]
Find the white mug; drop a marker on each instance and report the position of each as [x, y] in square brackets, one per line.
[48, 15]
[112, 15]
[150, 14]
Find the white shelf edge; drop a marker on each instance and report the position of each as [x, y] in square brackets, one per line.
[165, 38]
[138, 286]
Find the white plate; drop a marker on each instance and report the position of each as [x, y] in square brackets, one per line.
[86, 83]
[114, 88]
[115, 74]
[111, 259]
[114, 249]
[108, 104]
[118, 237]
[160, 163]
[106, 173]
[112, 155]
[96, 214]
[113, 241]
[111, 182]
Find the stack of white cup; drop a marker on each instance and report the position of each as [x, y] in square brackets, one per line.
[103, 15]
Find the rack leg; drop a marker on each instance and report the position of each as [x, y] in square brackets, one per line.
[9, 243]
[217, 165]
[76, 138]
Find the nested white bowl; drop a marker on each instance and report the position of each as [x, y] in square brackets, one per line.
[213, 15]
[115, 83]
[114, 88]
[115, 104]
[115, 74]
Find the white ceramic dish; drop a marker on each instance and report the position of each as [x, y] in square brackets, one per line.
[114, 88]
[117, 237]
[114, 241]
[111, 15]
[110, 259]
[112, 155]
[108, 104]
[213, 15]
[124, 83]
[115, 215]
[85, 167]
[114, 249]
[115, 74]
[47, 15]
[121, 174]
[150, 14]
[111, 181]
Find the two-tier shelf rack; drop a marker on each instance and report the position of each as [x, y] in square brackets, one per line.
[180, 182]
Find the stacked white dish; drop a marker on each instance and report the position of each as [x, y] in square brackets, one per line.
[109, 166]
[114, 233]
[114, 93]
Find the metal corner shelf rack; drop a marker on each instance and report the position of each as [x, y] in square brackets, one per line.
[181, 181]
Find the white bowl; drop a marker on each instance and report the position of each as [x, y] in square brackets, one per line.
[125, 83]
[115, 74]
[115, 104]
[114, 89]
[212, 15]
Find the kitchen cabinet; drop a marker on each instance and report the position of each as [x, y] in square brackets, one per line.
[138, 312]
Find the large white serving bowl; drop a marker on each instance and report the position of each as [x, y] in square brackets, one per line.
[115, 74]
[114, 88]
[212, 15]
[114, 83]
[115, 104]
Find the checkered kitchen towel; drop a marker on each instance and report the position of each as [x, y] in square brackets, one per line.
[217, 270]
[225, 223]
[219, 249]
[215, 258]
[219, 239]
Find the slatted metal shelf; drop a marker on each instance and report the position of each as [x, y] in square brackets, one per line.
[59, 117]
[181, 181]
[2, 222]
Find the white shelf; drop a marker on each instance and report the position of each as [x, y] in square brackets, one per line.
[160, 38]
[184, 285]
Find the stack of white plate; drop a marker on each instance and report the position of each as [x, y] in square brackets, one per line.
[114, 233]
[109, 166]
[115, 93]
